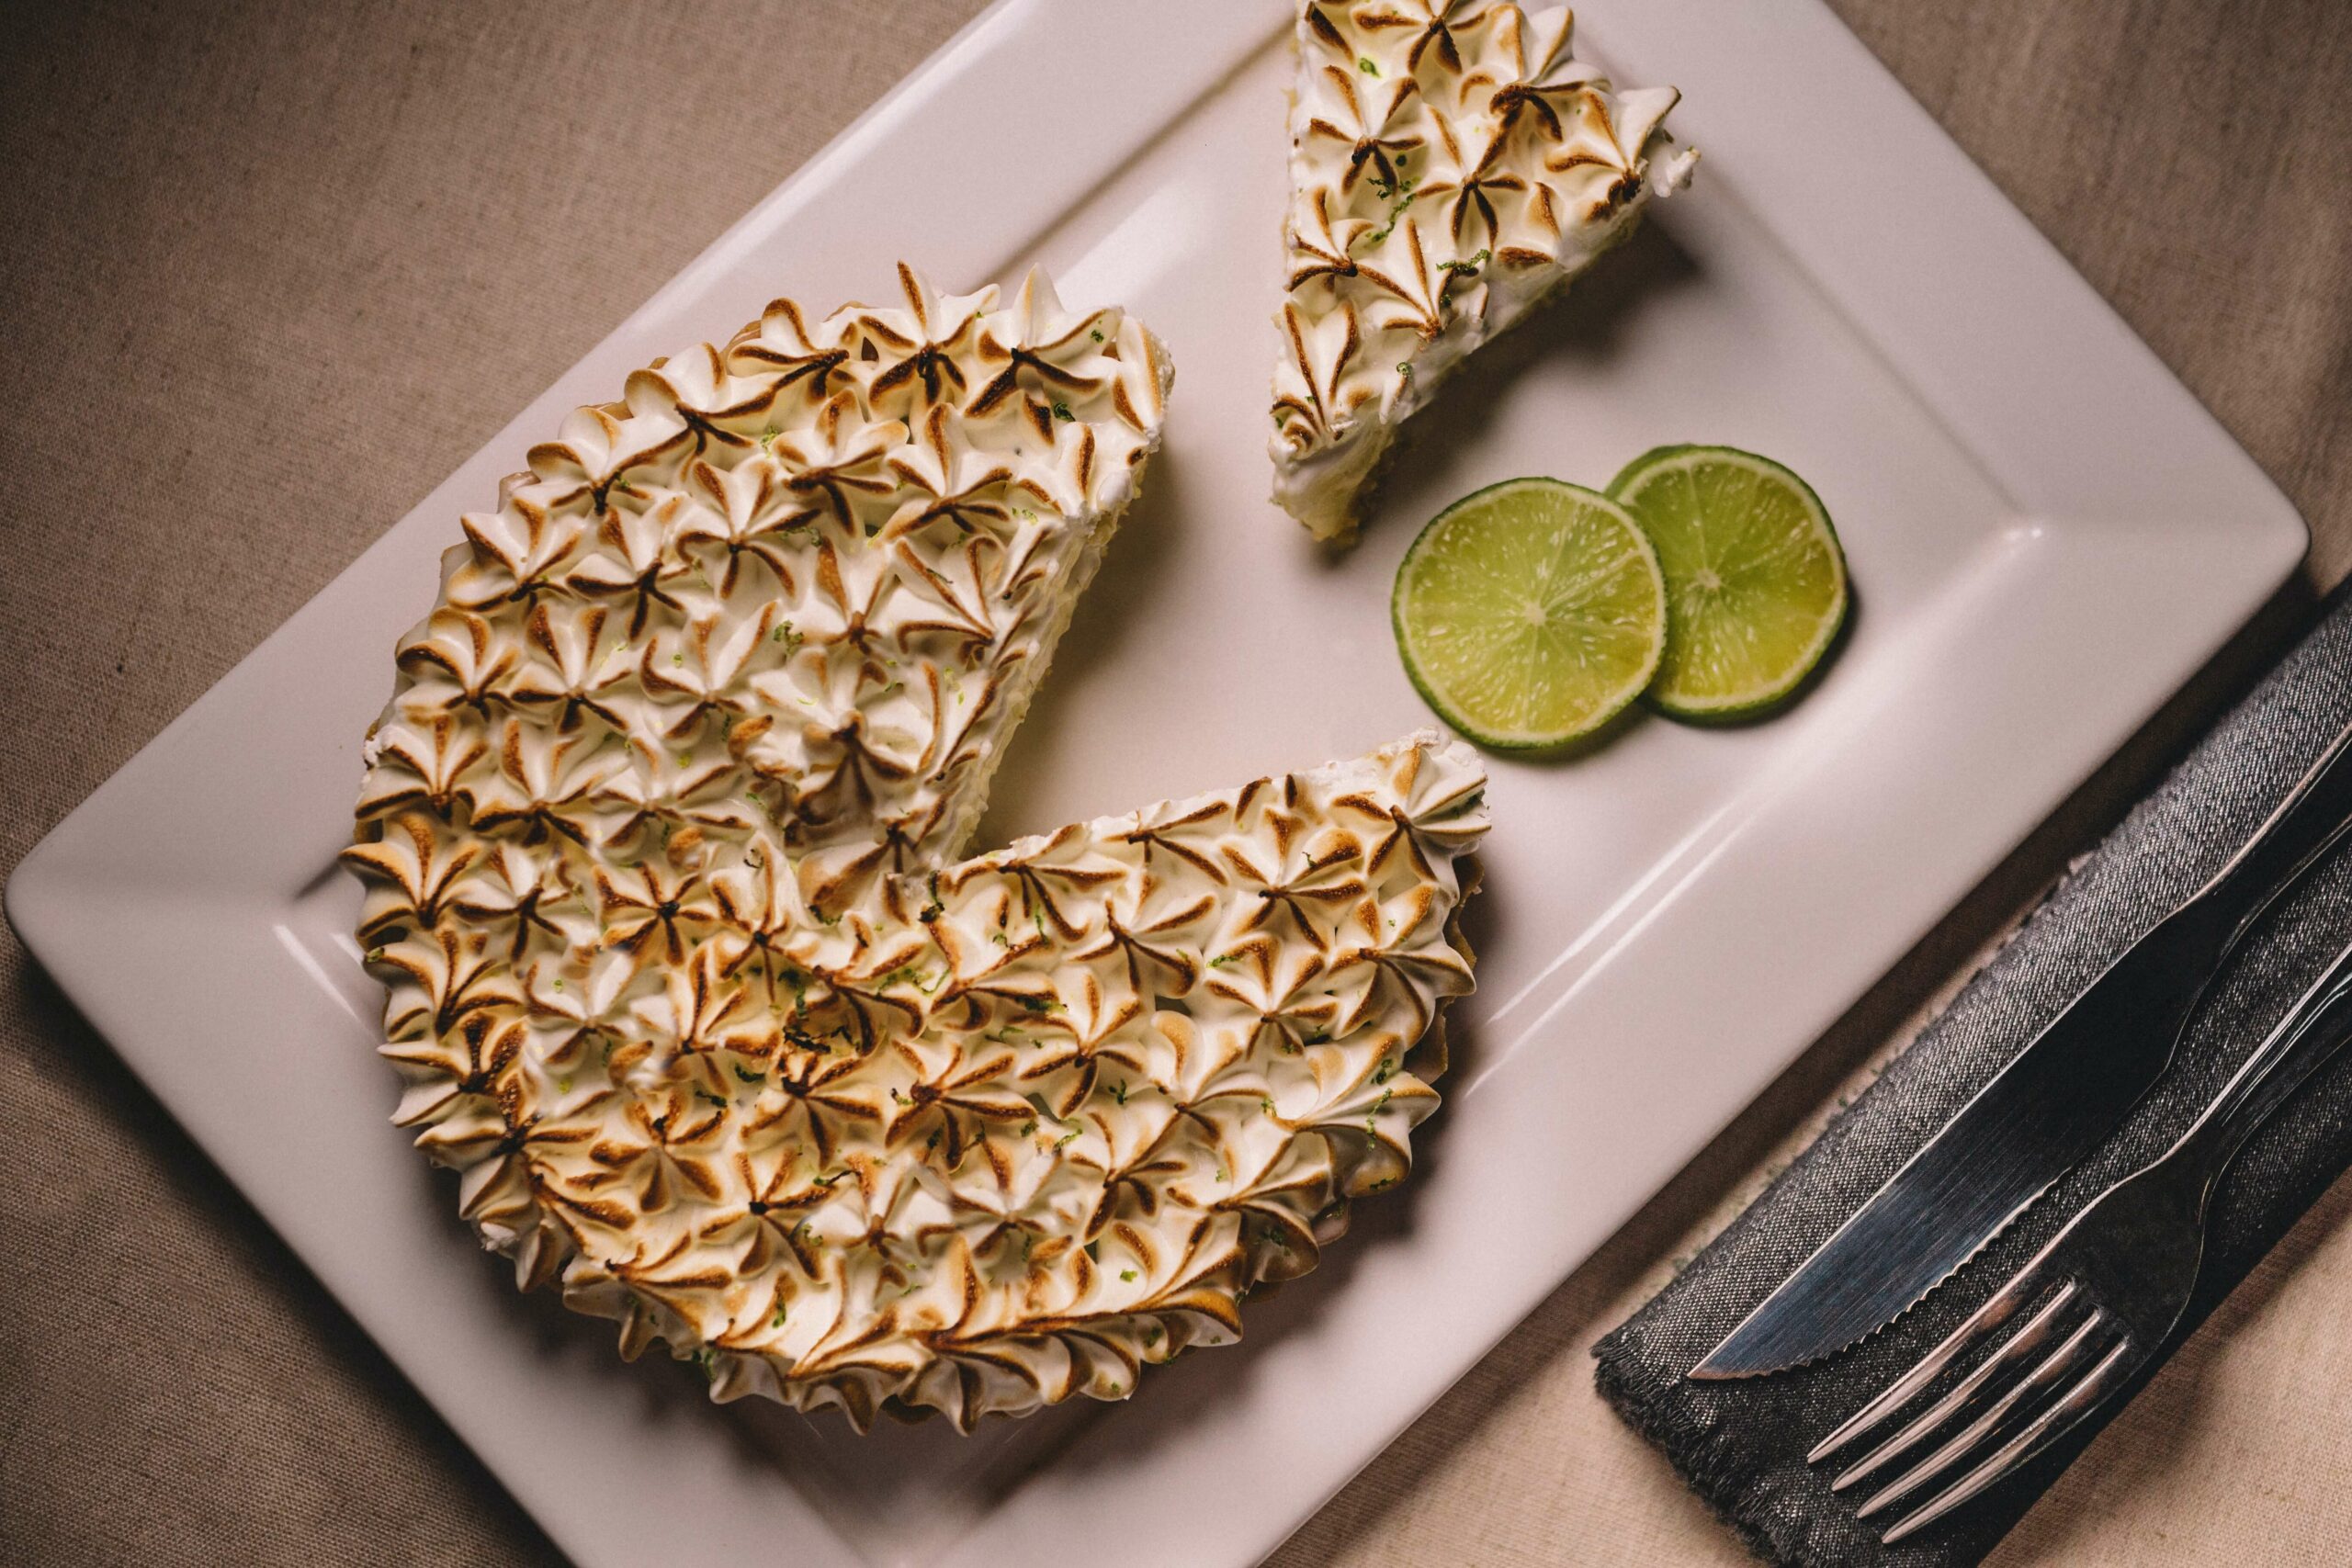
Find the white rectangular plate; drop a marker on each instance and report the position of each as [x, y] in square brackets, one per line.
[2047, 534]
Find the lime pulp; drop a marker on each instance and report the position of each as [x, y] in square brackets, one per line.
[1755, 577]
[1530, 614]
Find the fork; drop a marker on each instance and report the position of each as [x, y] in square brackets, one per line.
[2117, 1279]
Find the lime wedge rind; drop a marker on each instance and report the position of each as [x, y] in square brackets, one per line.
[1741, 648]
[1531, 614]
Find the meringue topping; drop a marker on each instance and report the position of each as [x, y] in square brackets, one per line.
[658, 836]
[1451, 164]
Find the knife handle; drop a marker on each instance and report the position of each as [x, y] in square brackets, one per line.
[2313, 1032]
[2311, 820]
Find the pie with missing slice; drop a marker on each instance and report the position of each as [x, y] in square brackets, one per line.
[660, 835]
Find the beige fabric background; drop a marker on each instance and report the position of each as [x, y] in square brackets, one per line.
[269, 271]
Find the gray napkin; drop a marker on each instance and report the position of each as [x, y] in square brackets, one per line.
[1742, 1445]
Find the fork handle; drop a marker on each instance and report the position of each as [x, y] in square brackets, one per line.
[2310, 1035]
[2311, 820]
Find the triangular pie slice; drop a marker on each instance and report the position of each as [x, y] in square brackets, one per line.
[1451, 165]
[658, 834]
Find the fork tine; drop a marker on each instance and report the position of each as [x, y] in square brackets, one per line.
[2046, 1428]
[2004, 1304]
[2011, 1356]
[2048, 1371]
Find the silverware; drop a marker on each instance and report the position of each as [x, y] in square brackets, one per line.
[2055, 1102]
[2117, 1281]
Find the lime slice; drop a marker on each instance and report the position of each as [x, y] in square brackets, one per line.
[1530, 612]
[1755, 581]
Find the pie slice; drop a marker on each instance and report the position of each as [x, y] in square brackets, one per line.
[1451, 165]
[657, 835]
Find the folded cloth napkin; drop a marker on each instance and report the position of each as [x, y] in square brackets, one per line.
[1742, 1445]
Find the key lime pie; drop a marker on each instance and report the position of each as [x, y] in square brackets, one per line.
[658, 837]
[1451, 165]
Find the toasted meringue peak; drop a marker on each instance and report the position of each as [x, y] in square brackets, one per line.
[658, 836]
[1451, 164]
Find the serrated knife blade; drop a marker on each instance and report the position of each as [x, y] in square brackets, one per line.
[2055, 1102]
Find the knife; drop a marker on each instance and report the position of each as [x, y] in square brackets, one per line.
[2051, 1105]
